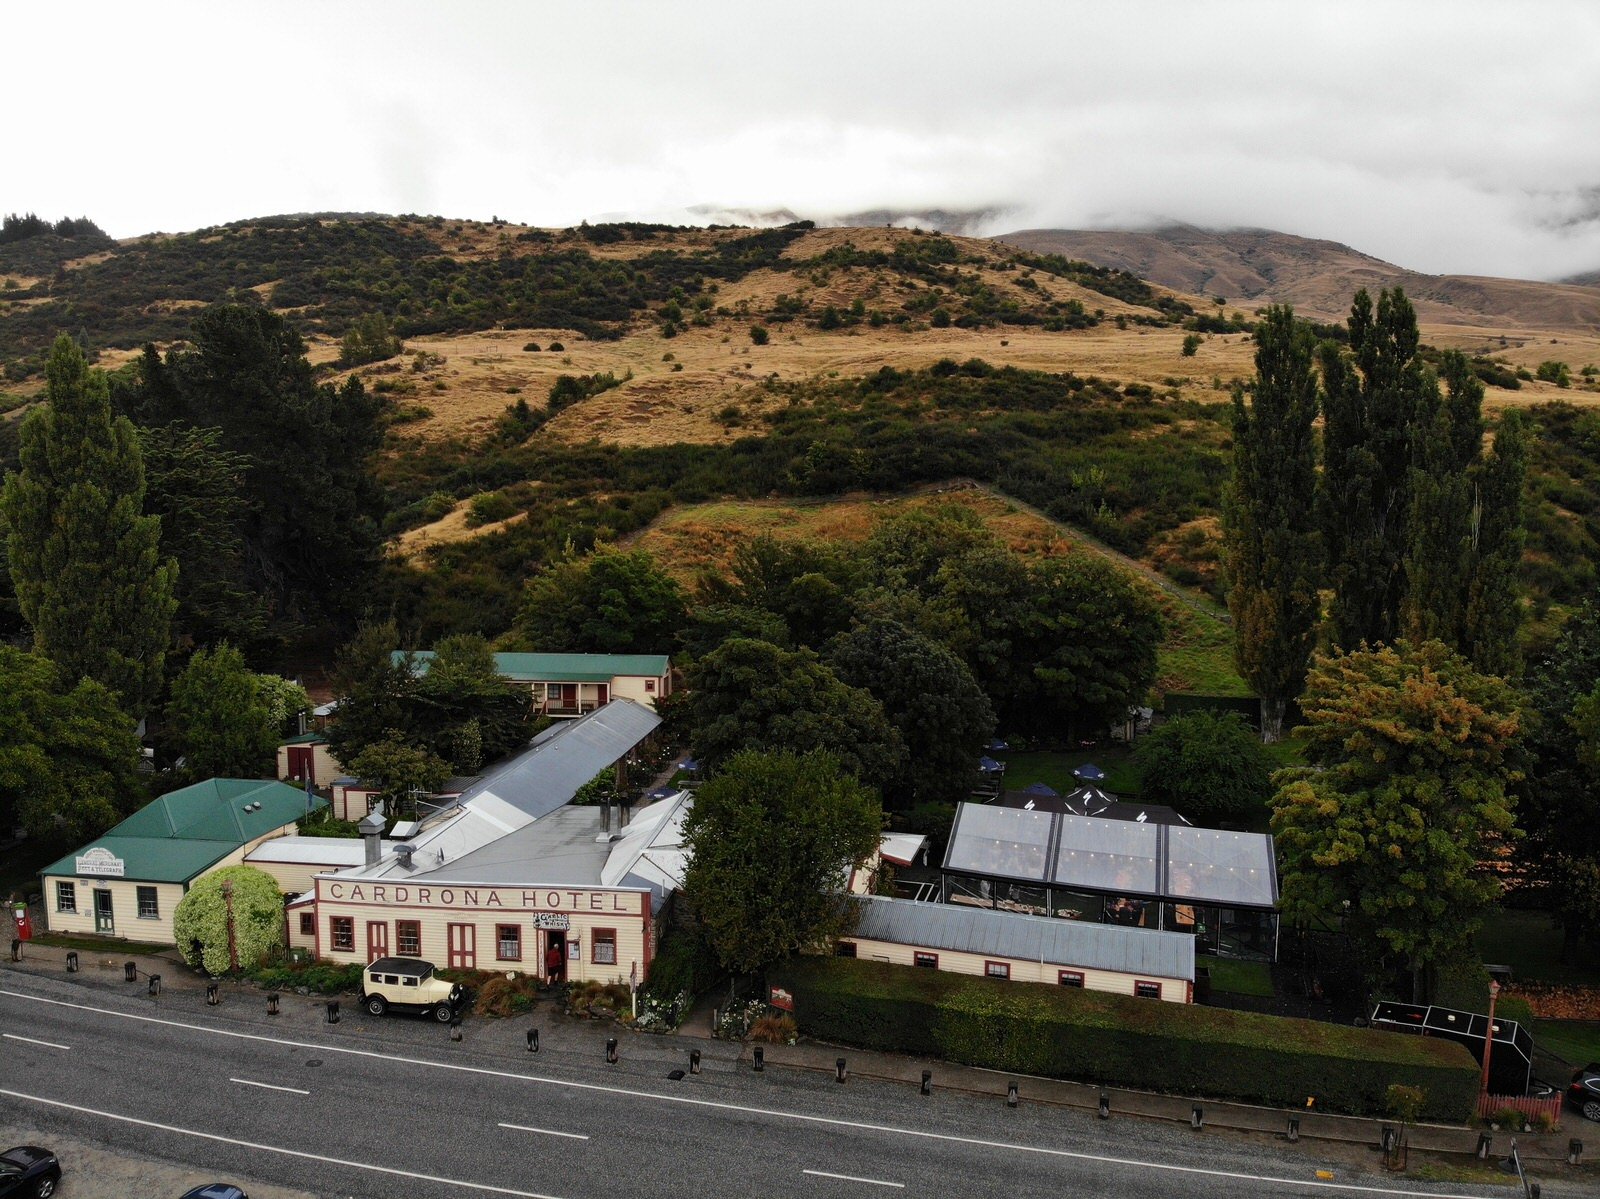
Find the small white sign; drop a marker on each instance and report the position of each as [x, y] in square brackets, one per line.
[551, 920]
[101, 862]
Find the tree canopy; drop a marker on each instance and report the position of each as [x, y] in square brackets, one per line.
[202, 916]
[608, 602]
[86, 563]
[1412, 755]
[773, 837]
[222, 717]
[1210, 766]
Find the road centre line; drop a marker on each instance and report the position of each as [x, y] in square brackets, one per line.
[877, 1182]
[47, 1044]
[268, 1086]
[315, 1157]
[549, 1132]
[713, 1104]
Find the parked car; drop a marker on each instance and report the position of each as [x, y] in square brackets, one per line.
[408, 984]
[215, 1190]
[1584, 1093]
[29, 1170]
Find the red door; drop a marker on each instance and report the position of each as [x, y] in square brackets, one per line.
[462, 942]
[377, 939]
[302, 763]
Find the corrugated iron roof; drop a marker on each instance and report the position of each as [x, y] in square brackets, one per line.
[1054, 941]
[560, 668]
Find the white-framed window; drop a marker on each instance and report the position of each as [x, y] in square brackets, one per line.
[603, 946]
[343, 933]
[1070, 978]
[508, 943]
[408, 938]
[66, 897]
[149, 905]
[1147, 990]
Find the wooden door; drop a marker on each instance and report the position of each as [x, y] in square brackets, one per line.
[377, 939]
[462, 943]
[103, 922]
[302, 763]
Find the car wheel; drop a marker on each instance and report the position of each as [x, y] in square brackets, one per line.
[46, 1188]
[443, 1014]
[1591, 1109]
[377, 1004]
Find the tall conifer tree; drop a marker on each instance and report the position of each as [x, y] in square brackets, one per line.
[86, 563]
[1492, 611]
[1269, 520]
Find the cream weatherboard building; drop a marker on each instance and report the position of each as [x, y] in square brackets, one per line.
[127, 882]
[565, 685]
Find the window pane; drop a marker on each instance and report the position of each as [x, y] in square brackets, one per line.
[66, 897]
[605, 947]
[509, 937]
[344, 932]
[408, 937]
[148, 907]
[930, 960]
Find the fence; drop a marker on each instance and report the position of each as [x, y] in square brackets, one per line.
[1530, 1107]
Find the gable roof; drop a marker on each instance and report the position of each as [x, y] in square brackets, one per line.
[560, 668]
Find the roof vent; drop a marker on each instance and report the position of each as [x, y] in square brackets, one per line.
[403, 854]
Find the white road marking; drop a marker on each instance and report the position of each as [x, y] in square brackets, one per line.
[799, 1117]
[249, 1082]
[877, 1182]
[315, 1157]
[549, 1132]
[47, 1044]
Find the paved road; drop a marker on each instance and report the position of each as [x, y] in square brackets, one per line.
[391, 1107]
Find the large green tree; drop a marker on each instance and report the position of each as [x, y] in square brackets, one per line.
[752, 695]
[69, 760]
[86, 562]
[1492, 615]
[1210, 766]
[229, 919]
[220, 717]
[608, 602]
[1269, 523]
[1412, 755]
[771, 838]
[931, 699]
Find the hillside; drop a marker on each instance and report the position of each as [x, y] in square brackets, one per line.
[1258, 266]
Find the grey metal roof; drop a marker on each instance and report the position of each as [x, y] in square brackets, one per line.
[1056, 942]
[563, 758]
[560, 849]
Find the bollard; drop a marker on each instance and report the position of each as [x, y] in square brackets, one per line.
[130, 972]
[694, 1061]
[72, 961]
[1390, 1138]
[455, 1031]
[927, 1082]
[611, 1050]
[1574, 1151]
[16, 949]
[213, 996]
[1011, 1093]
[333, 1011]
[1105, 1106]
[533, 1040]
[1533, 1190]
[760, 1056]
[839, 1071]
[272, 1003]
[155, 984]
[1294, 1128]
[1196, 1117]
[1484, 1141]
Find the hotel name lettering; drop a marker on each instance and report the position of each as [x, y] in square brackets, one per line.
[528, 899]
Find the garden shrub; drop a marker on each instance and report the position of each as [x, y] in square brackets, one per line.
[1118, 1040]
[320, 978]
[202, 916]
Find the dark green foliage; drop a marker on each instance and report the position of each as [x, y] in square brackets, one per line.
[370, 339]
[1268, 508]
[69, 760]
[1191, 344]
[84, 559]
[931, 699]
[752, 695]
[570, 389]
[770, 836]
[1210, 766]
[609, 601]
[220, 721]
[1563, 508]
[318, 977]
[1116, 1040]
[683, 964]
[712, 624]
[1553, 372]
[1492, 608]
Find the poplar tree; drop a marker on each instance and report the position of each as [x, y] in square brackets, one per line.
[1493, 611]
[1373, 393]
[86, 563]
[1269, 524]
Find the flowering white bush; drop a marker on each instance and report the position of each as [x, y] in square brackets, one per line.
[202, 915]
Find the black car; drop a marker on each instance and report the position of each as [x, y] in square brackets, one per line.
[1584, 1093]
[215, 1190]
[29, 1170]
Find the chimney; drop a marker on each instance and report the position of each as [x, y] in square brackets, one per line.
[605, 815]
[623, 812]
[403, 854]
[371, 830]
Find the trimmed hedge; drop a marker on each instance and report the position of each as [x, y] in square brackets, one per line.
[1034, 1028]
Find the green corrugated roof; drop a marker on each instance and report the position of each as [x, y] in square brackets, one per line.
[175, 837]
[563, 668]
[305, 739]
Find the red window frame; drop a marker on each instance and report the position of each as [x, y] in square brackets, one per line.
[1143, 988]
[308, 924]
[408, 938]
[928, 961]
[1070, 978]
[461, 946]
[598, 937]
[649, 686]
[989, 970]
[845, 949]
[501, 940]
[342, 934]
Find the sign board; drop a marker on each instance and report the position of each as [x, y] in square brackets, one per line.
[779, 998]
[551, 920]
[100, 862]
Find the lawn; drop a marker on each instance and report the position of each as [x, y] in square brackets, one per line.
[1238, 978]
[1530, 943]
[1578, 1041]
[1055, 769]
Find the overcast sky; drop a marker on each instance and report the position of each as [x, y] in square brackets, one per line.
[1449, 137]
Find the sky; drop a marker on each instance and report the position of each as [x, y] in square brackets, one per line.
[1459, 137]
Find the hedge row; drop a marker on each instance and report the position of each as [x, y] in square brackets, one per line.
[1034, 1028]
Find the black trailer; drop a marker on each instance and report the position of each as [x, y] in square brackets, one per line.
[1510, 1061]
